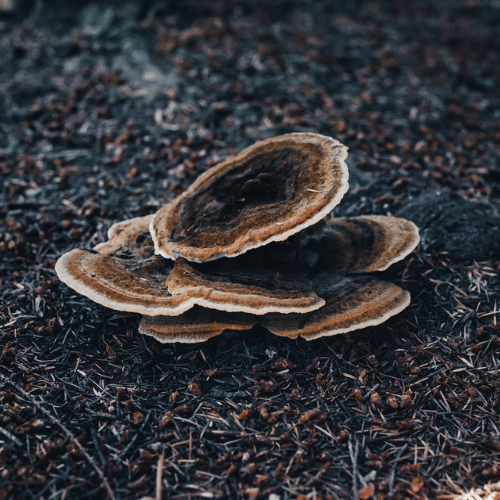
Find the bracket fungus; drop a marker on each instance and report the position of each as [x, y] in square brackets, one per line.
[360, 244]
[252, 290]
[268, 192]
[201, 265]
[123, 273]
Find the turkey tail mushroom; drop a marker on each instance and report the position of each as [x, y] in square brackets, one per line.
[309, 286]
[268, 192]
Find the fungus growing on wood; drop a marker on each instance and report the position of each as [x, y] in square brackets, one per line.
[268, 192]
[311, 287]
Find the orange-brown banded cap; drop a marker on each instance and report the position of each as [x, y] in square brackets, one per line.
[129, 236]
[196, 325]
[253, 290]
[123, 273]
[351, 303]
[358, 244]
[268, 192]
[121, 284]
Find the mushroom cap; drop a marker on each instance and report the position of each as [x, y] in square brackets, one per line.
[351, 303]
[197, 325]
[130, 236]
[123, 273]
[252, 290]
[268, 192]
[358, 244]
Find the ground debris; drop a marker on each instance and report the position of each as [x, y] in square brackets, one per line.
[408, 409]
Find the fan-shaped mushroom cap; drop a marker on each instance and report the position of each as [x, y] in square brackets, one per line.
[129, 236]
[123, 273]
[351, 303]
[358, 244]
[196, 325]
[268, 192]
[252, 290]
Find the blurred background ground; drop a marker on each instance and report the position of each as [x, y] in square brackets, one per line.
[109, 110]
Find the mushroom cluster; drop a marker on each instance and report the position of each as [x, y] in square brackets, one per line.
[252, 241]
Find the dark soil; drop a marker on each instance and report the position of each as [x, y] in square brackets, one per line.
[465, 230]
[114, 112]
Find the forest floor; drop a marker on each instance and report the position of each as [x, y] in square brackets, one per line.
[110, 113]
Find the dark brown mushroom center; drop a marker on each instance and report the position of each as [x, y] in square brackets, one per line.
[340, 247]
[269, 178]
